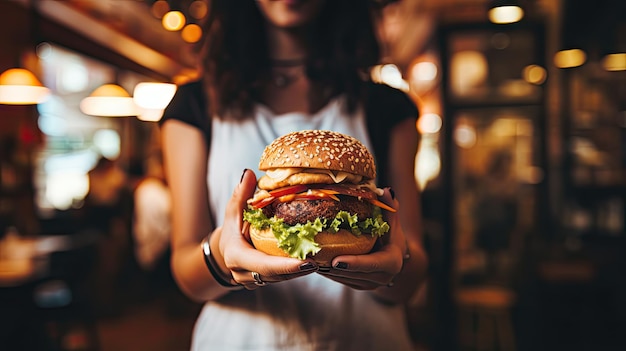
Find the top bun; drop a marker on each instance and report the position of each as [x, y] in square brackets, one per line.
[319, 149]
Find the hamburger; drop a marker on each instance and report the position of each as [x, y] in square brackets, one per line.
[317, 198]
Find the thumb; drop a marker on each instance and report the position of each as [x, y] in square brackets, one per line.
[234, 210]
[243, 191]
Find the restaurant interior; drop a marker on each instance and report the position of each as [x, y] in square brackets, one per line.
[521, 166]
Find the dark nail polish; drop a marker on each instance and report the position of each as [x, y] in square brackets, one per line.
[243, 174]
[393, 193]
[341, 265]
[308, 266]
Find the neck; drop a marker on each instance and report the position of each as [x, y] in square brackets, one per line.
[295, 62]
[287, 47]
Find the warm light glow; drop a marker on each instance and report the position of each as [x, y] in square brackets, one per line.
[151, 99]
[506, 14]
[19, 86]
[173, 21]
[192, 33]
[153, 95]
[160, 8]
[535, 74]
[109, 100]
[149, 114]
[391, 75]
[429, 123]
[424, 71]
[64, 186]
[427, 160]
[469, 71]
[570, 58]
[614, 62]
[198, 9]
[465, 136]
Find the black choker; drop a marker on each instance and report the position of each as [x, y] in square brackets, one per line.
[287, 62]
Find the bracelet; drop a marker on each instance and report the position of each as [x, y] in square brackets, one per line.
[216, 272]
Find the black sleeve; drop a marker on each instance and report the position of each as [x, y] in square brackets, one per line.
[189, 105]
[385, 108]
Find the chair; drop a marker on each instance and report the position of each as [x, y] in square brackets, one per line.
[63, 301]
[485, 318]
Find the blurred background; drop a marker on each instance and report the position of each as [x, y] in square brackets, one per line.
[521, 163]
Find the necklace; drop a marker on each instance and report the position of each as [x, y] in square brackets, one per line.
[285, 76]
[283, 79]
[284, 72]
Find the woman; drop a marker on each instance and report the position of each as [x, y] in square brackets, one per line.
[273, 67]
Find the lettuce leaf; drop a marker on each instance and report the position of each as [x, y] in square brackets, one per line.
[299, 240]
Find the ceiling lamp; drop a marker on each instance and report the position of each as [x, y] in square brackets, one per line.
[191, 33]
[505, 12]
[152, 98]
[173, 21]
[19, 86]
[614, 62]
[570, 58]
[109, 100]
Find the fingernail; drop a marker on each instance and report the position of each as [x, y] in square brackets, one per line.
[393, 193]
[243, 174]
[308, 266]
[341, 265]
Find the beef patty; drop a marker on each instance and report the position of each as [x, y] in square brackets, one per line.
[301, 211]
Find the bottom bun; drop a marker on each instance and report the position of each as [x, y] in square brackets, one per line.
[332, 244]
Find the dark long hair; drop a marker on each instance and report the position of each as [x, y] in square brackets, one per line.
[343, 47]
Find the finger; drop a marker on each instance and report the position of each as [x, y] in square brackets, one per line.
[243, 191]
[358, 284]
[395, 235]
[388, 197]
[233, 220]
[387, 260]
[245, 231]
[273, 267]
[269, 274]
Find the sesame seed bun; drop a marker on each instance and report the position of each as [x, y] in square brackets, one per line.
[316, 198]
[319, 149]
[331, 244]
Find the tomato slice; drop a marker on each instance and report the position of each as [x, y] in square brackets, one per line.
[314, 194]
[263, 202]
[303, 192]
[293, 189]
[287, 198]
[282, 194]
[348, 190]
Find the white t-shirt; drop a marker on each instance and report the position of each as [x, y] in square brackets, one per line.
[307, 313]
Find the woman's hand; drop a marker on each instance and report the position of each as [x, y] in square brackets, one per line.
[378, 268]
[240, 258]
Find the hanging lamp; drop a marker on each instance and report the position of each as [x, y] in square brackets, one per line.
[109, 100]
[152, 98]
[19, 86]
[505, 11]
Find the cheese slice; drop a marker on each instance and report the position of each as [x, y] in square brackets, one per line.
[280, 174]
